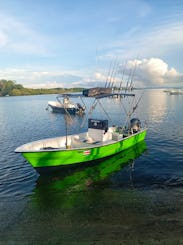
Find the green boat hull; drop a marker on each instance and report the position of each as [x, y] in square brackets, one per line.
[51, 158]
[87, 175]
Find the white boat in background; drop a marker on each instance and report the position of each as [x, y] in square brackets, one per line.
[174, 91]
[66, 105]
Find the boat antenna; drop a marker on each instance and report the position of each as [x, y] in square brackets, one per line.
[67, 118]
[66, 133]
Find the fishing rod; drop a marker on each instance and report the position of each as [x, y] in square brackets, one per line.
[130, 86]
[125, 110]
[113, 69]
[124, 68]
[108, 74]
[128, 80]
[114, 75]
[135, 107]
[132, 110]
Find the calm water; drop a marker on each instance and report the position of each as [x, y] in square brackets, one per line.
[133, 198]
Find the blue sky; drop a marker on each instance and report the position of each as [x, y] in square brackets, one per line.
[73, 43]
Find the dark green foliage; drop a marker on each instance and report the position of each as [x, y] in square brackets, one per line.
[8, 87]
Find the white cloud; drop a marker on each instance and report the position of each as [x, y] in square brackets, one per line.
[147, 72]
[153, 72]
[47, 77]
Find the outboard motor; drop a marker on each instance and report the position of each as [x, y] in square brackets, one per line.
[81, 108]
[135, 125]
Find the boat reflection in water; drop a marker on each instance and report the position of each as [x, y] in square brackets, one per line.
[68, 180]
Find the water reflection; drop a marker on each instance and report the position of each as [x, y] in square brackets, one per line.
[154, 106]
[85, 177]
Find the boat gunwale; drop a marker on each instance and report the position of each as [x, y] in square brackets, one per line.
[90, 145]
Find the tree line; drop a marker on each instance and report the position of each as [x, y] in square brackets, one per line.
[11, 88]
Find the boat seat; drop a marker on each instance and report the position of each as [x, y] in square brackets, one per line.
[96, 142]
[49, 148]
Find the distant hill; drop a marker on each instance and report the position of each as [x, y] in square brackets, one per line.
[11, 88]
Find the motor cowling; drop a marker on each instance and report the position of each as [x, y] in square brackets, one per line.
[80, 107]
[135, 125]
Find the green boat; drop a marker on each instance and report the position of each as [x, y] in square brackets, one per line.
[82, 177]
[98, 142]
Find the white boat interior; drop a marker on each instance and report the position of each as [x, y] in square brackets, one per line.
[83, 140]
[98, 134]
[92, 137]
